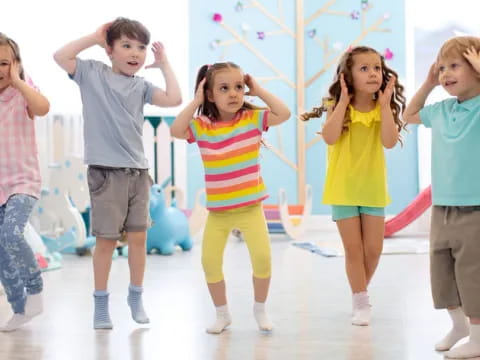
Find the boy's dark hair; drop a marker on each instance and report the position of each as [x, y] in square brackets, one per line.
[209, 108]
[6, 41]
[130, 28]
[397, 102]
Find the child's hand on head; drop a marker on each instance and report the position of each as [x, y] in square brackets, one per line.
[253, 86]
[385, 96]
[101, 34]
[345, 97]
[15, 73]
[159, 54]
[473, 57]
[432, 77]
[200, 93]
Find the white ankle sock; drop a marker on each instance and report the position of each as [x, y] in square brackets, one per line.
[264, 323]
[470, 349]
[460, 329]
[34, 305]
[361, 309]
[221, 322]
[16, 321]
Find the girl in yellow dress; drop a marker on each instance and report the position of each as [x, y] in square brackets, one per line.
[363, 117]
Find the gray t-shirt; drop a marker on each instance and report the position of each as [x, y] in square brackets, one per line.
[113, 115]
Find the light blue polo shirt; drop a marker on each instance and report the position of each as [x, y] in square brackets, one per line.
[455, 151]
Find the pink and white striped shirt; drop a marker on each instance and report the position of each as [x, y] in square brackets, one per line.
[19, 168]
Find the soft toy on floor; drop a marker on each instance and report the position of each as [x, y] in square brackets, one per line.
[170, 225]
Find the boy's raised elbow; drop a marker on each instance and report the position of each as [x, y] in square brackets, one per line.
[57, 57]
[177, 101]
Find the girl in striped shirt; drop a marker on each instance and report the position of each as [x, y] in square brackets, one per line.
[228, 132]
[19, 185]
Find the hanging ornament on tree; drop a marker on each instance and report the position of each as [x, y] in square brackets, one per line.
[355, 15]
[214, 44]
[260, 35]
[245, 27]
[217, 17]
[312, 33]
[388, 54]
[239, 6]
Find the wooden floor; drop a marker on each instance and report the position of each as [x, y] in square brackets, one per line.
[310, 304]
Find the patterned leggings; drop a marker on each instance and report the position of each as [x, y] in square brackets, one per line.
[19, 271]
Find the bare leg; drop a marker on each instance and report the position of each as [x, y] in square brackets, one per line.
[373, 228]
[218, 293]
[260, 288]
[351, 232]
[102, 261]
[137, 255]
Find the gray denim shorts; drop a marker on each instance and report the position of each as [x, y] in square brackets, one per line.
[120, 200]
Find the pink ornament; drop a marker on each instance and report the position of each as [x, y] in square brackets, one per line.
[260, 35]
[217, 18]
[355, 15]
[388, 54]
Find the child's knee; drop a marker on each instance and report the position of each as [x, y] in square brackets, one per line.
[212, 267]
[262, 266]
[373, 251]
[354, 254]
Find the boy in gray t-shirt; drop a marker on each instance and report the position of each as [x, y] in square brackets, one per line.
[113, 99]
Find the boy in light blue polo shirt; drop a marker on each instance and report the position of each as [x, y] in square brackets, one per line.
[455, 227]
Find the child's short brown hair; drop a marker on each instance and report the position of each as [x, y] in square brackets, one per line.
[130, 28]
[457, 46]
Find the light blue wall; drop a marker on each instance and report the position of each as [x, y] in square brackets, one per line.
[280, 51]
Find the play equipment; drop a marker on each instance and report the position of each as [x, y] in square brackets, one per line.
[170, 225]
[418, 206]
[56, 215]
[295, 227]
[289, 219]
[198, 215]
[47, 259]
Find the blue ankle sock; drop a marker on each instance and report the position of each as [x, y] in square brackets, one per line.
[134, 300]
[101, 316]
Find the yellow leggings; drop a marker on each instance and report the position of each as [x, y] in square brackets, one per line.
[250, 220]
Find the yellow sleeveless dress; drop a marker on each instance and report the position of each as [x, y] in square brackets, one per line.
[357, 172]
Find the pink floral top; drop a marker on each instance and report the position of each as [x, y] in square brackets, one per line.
[19, 168]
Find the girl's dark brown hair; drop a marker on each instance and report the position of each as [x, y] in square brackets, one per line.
[397, 102]
[130, 28]
[209, 108]
[6, 41]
